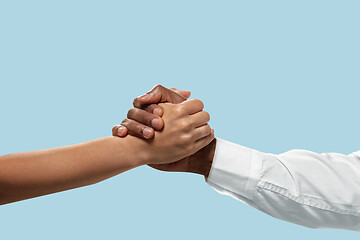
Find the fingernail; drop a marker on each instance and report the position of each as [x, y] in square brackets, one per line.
[121, 130]
[156, 111]
[155, 123]
[147, 132]
[144, 97]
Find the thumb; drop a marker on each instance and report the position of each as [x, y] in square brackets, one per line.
[150, 97]
[185, 94]
[158, 94]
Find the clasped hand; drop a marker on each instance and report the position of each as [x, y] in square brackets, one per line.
[176, 130]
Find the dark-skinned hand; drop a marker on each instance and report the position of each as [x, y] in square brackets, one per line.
[145, 117]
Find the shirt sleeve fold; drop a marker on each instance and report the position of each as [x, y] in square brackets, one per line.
[235, 168]
[298, 186]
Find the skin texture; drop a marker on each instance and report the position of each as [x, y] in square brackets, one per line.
[146, 110]
[188, 123]
[145, 118]
[31, 174]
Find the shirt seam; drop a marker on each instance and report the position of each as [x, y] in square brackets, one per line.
[248, 180]
[357, 155]
[304, 200]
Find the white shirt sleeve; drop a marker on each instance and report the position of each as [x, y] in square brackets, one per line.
[299, 186]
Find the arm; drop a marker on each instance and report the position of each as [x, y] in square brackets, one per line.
[299, 186]
[142, 116]
[306, 188]
[32, 174]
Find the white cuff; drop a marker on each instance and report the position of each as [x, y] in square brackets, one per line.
[235, 168]
[357, 154]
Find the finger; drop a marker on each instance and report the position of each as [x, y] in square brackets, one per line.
[158, 94]
[199, 119]
[138, 104]
[155, 109]
[138, 129]
[193, 106]
[202, 142]
[185, 94]
[201, 132]
[153, 96]
[119, 131]
[145, 118]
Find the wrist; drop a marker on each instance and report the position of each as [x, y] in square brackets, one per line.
[131, 148]
[201, 161]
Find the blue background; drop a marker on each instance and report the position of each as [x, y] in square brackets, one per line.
[275, 75]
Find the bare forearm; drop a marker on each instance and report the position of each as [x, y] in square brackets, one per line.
[32, 174]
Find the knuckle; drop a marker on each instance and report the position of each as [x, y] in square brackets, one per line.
[135, 102]
[207, 129]
[133, 128]
[185, 139]
[158, 86]
[136, 131]
[150, 108]
[201, 104]
[148, 119]
[140, 116]
[207, 116]
[180, 109]
[131, 113]
[183, 125]
[125, 122]
[198, 101]
[180, 125]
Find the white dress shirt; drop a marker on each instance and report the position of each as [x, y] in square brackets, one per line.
[299, 186]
